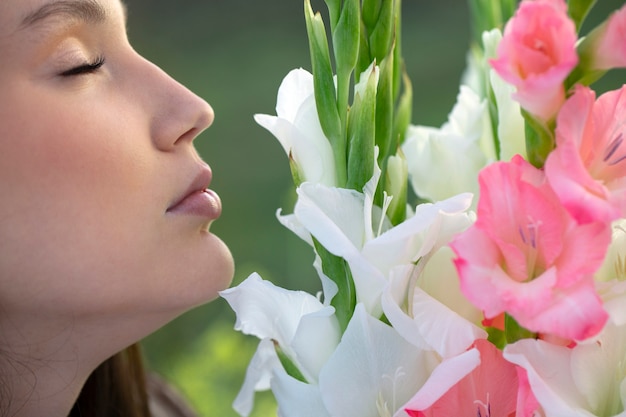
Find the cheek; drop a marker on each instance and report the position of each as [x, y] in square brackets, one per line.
[76, 184]
[62, 161]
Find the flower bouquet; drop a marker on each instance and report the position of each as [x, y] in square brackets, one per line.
[476, 269]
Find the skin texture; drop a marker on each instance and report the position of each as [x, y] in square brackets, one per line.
[90, 161]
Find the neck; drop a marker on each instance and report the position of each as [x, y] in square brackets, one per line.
[44, 364]
[41, 379]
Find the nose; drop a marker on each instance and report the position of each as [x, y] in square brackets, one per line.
[178, 115]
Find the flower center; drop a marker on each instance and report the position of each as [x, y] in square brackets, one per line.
[385, 409]
[619, 264]
[482, 407]
[529, 233]
[610, 158]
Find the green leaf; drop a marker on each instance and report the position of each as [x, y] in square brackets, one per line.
[371, 10]
[585, 72]
[396, 185]
[334, 10]
[489, 14]
[539, 139]
[346, 38]
[398, 61]
[514, 332]
[404, 111]
[497, 337]
[382, 35]
[362, 131]
[295, 170]
[384, 110]
[339, 272]
[365, 58]
[325, 95]
[291, 369]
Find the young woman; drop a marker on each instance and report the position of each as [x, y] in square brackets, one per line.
[104, 209]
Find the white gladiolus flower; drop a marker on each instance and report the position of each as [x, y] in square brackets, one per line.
[445, 162]
[297, 128]
[305, 330]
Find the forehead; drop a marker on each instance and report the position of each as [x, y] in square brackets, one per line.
[21, 15]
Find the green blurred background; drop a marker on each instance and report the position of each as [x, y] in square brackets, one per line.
[234, 53]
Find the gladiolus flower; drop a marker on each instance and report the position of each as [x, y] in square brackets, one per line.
[588, 167]
[297, 128]
[536, 54]
[607, 43]
[527, 256]
[444, 162]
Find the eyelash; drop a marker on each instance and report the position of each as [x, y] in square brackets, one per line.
[87, 68]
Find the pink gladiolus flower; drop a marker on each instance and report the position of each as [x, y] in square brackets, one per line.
[588, 167]
[536, 54]
[527, 256]
[489, 390]
[608, 42]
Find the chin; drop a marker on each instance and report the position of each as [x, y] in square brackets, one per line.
[212, 272]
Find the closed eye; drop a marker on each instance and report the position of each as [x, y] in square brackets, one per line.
[86, 68]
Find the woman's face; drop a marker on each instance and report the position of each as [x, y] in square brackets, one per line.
[102, 208]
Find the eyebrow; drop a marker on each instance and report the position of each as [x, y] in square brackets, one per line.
[90, 11]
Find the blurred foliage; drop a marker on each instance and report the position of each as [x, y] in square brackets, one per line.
[234, 54]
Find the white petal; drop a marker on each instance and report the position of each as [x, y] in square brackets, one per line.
[549, 375]
[393, 300]
[296, 87]
[613, 295]
[316, 338]
[282, 129]
[257, 377]
[310, 147]
[440, 280]
[614, 265]
[267, 311]
[418, 235]
[291, 222]
[465, 119]
[369, 191]
[510, 120]
[444, 377]
[361, 86]
[296, 398]
[598, 369]
[369, 283]
[334, 216]
[297, 128]
[430, 324]
[373, 367]
[329, 288]
[442, 164]
[490, 40]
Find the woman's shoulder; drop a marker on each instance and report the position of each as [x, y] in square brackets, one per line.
[164, 400]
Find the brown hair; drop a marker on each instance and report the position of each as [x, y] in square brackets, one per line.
[116, 388]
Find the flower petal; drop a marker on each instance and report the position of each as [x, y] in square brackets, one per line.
[257, 377]
[373, 368]
[296, 398]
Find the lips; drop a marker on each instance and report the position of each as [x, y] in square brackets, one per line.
[197, 199]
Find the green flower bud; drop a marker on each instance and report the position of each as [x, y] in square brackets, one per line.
[362, 130]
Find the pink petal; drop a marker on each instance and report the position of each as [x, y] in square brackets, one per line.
[490, 389]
